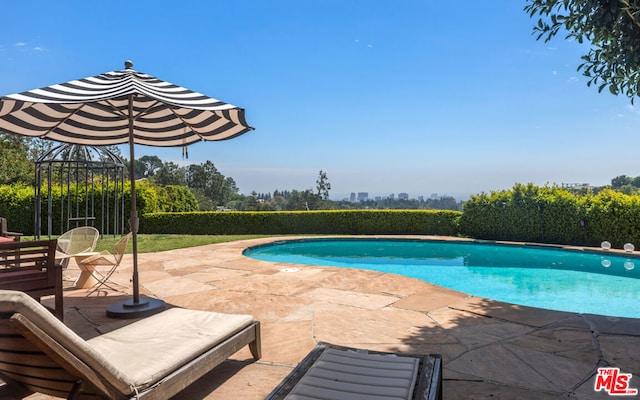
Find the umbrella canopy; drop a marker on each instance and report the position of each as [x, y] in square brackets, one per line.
[122, 107]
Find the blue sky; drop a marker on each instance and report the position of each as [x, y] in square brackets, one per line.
[384, 96]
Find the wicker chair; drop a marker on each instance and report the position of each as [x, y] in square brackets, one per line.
[82, 239]
[107, 258]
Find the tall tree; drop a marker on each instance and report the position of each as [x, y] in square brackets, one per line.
[208, 181]
[613, 29]
[171, 174]
[322, 185]
[229, 189]
[147, 166]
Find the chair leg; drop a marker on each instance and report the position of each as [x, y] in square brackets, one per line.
[63, 262]
[102, 280]
[256, 346]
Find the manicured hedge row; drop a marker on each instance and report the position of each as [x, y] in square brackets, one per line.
[614, 217]
[553, 215]
[369, 222]
[525, 213]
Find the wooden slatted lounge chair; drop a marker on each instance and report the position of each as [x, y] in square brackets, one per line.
[344, 373]
[152, 358]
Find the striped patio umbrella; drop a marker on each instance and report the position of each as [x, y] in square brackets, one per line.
[122, 107]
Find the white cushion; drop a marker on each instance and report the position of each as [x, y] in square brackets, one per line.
[150, 349]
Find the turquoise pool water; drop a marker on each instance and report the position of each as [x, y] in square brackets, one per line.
[555, 279]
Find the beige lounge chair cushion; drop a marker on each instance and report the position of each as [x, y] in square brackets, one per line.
[150, 349]
[139, 354]
[356, 375]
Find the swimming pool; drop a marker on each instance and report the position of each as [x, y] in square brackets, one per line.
[550, 278]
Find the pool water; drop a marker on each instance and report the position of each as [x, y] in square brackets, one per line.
[555, 279]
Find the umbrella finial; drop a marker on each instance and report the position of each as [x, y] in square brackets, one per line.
[128, 64]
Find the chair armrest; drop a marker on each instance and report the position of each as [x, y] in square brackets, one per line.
[97, 259]
[15, 235]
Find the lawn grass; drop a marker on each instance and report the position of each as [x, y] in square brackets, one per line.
[162, 242]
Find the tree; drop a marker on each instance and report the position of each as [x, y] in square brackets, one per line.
[38, 147]
[171, 174]
[206, 179]
[147, 166]
[302, 200]
[229, 189]
[613, 29]
[323, 186]
[620, 181]
[15, 165]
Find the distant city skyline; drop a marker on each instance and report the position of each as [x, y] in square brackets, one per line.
[355, 196]
[359, 196]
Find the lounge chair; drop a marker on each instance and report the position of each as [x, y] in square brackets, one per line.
[344, 373]
[153, 358]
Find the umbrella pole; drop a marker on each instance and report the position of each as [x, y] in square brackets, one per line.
[133, 219]
[148, 306]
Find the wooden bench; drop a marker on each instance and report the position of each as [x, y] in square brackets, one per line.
[30, 267]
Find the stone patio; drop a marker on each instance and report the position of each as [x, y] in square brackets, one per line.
[491, 350]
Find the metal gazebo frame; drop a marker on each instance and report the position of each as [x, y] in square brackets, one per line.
[75, 169]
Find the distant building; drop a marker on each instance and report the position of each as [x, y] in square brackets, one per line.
[363, 196]
[392, 196]
[403, 196]
[352, 198]
[421, 199]
[578, 187]
[434, 195]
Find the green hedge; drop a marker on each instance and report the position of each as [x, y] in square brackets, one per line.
[615, 217]
[553, 215]
[526, 213]
[17, 204]
[369, 222]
